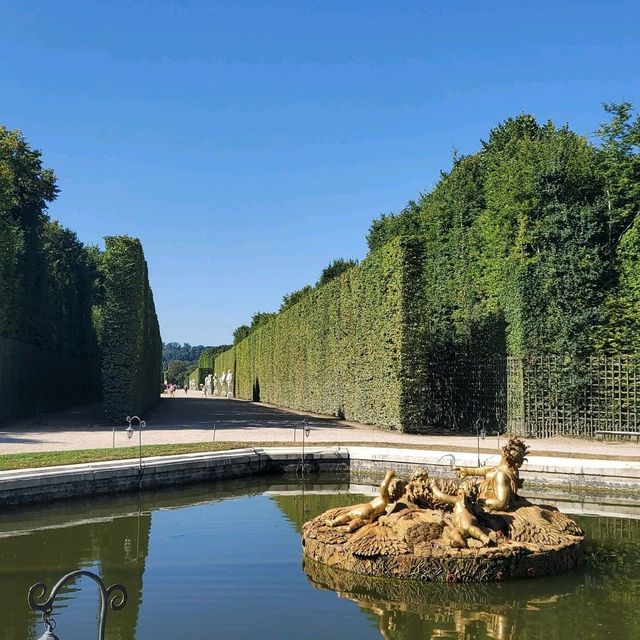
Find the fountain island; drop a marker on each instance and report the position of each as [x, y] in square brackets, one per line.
[470, 528]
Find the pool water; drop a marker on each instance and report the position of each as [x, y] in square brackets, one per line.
[224, 561]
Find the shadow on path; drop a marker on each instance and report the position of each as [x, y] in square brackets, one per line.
[198, 413]
[172, 414]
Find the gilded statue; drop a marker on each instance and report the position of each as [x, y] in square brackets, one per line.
[447, 529]
[463, 523]
[499, 487]
[390, 490]
[419, 491]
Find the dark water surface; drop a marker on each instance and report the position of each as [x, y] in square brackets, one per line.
[225, 561]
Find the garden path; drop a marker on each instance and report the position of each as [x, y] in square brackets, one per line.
[191, 418]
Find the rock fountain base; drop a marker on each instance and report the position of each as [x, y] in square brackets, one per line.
[525, 542]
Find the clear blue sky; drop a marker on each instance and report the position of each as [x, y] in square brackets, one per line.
[248, 144]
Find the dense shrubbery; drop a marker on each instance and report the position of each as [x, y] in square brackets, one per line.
[131, 344]
[55, 314]
[529, 247]
[530, 241]
[208, 357]
[46, 286]
[335, 269]
[339, 350]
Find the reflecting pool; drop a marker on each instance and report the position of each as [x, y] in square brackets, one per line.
[225, 561]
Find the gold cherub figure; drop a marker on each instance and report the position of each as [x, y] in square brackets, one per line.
[391, 490]
[501, 482]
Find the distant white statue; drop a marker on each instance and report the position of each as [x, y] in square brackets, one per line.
[215, 384]
[207, 386]
[229, 384]
[223, 382]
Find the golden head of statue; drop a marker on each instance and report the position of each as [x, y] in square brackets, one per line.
[515, 452]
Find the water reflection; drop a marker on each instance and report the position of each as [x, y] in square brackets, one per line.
[407, 609]
[232, 551]
[45, 545]
[109, 536]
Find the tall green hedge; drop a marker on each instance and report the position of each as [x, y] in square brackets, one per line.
[531, 250]
[208, 356]
[48, 348]
[347, 349]
[131, 344]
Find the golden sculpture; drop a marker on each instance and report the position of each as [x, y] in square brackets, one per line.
[463, 523]
[359, 515]
[441, 529]
[419, 491]
[500, 486]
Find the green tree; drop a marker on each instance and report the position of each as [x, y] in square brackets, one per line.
[619, 157]
[208, 356]
[241, 333]
[177, 372]
[261, 318]
[391, 225]
[335, 269]
[294, 297]
[26, 188]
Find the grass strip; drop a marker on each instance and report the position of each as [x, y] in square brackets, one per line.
[14, 461]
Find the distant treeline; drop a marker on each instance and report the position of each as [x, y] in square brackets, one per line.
[185, 361]
[529, 247]
[76, 323]
[184, 352]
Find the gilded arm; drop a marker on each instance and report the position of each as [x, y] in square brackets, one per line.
[463, 472]
[440, 495]
[384, 487]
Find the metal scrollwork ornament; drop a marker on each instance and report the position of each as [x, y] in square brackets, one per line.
[115, 596]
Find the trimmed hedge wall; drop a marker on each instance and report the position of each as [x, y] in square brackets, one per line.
[33, 380]
[131, 344]
[49, 355]
[348, 349]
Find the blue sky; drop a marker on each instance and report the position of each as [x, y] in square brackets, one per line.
[249, 144]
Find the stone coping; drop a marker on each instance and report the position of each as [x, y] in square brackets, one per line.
[36, 485]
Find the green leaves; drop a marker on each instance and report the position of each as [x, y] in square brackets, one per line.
[131, 343]
[48, 344]
[337, 351]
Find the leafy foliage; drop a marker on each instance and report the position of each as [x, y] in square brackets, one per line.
[132, 348]
[184, 352]
[529, 247]
[335, 269]
[178, 371]
[208, 356]
[26, 188]
[241, 333]
[260, 318]
[48, 349]
[340, 349]
[519, 238]
[294, 297]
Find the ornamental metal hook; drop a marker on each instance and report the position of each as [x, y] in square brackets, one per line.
[115, 595]
[129, 431]
[306, 432]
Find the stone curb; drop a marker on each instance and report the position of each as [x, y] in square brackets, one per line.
[49, 483]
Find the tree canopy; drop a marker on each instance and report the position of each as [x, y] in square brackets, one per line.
[532, 240]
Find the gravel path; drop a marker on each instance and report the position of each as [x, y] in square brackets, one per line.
[192, 418]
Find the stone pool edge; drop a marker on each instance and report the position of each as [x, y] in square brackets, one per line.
[28, 486]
